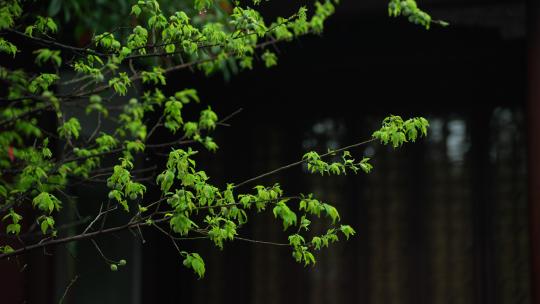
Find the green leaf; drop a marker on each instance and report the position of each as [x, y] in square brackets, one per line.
[269, 58]
[282, 210]
[365, 165]
[29, 30]
[46, 223]
[170, 48]
[46, 202]
[332, 212]
[208, 119]
[136, 10]
[296, 240]
[47, 55]
[13, 228]
[195, 262]
[6, 249]
[155, 77]
[70, 128]
[316, 241]
[51, 25]
[202, 5]
[347, 231]
[120, 84]
[41, 82]
[181, 224]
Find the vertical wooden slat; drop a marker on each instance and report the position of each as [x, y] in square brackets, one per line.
[266, 290]
[483, 209]
[534, 144]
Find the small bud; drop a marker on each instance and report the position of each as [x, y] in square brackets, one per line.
[114, 267]
[122, 262]
[95, 99]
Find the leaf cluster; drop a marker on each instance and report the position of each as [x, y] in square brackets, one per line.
[119, 63]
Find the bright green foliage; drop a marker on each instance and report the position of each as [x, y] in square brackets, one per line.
[95, 105]
[347, 231]
[315, 164]
[131, 119]
[324, 240]
[270, 59]
[208, 119]
[173, 114]
[323, 10]
[181, 224]
[43, 25]
[122, 186]
[15, 218]
[44, 55]
[195, 262]
[301, 252]
[9, 12]
[289, 217]
[91, 66]
[409, 9]
[131, 61]
[42, 82]
[46, 202]
[395, 131]
[138, 39]
[221, 229]
[7, 47]
[136, 10]
[47, 223]
[155, 77]
[203, 4]
[6, 249]
[70, 128]
[107, 41]
[315, 207]
[121, 83]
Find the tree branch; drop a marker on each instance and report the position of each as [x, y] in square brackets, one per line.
[48, 42]
[67, 289]
[301, 162]
[74, 238]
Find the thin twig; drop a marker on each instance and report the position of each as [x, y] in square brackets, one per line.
[106, 259]
[260, 242]
[74, 49]
[158, 124]
[67, 289]
[101, 213]
[96, 130]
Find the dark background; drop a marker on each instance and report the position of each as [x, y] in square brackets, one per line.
[444, 220]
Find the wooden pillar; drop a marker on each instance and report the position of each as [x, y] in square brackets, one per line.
[534, 143]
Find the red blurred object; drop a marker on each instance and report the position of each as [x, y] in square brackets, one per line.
[10, 153]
